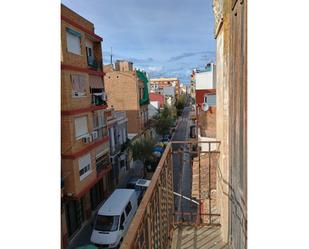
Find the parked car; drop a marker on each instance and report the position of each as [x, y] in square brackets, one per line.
[113, 218]
[139, 185]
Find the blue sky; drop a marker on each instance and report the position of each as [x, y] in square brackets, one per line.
[164, 37]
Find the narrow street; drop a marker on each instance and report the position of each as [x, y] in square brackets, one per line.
[182, 175]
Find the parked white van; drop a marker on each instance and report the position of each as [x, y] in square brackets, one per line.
[114, 218]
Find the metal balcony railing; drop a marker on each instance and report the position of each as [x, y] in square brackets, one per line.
[171, 201]
[152, 226]
[101, 131]
[114, 150]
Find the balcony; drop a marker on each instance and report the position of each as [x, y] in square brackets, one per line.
[94, 63]
[102, 164]
[120, 115]
[178, 209]
[101, 132]
[98, 98]
[115, 150]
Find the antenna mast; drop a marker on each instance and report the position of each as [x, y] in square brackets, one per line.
[112, 55]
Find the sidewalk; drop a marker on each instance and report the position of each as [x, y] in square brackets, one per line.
[82, 237]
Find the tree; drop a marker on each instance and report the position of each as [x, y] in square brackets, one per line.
[164, 120]
[180, 104]
[142, 149]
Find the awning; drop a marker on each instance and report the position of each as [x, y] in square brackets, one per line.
[95, 82]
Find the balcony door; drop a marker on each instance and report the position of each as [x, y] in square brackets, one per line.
[89, 52]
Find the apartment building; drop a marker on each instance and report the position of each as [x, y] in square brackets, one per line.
[118, 136]
[157, 85]
[231, 73]
[169, 94]
[127, 91]
[85, 164]
[205, 83]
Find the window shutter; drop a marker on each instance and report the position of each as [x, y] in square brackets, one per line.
[82, 83]
[78, 84]
[81, 126]
[211, 100]
[73, 43]
[84, 161]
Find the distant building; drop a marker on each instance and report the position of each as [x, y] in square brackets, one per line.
[205, 83]
[118, 136]
[157, 85]
[127, 91]
[156, 103]
[169, 95]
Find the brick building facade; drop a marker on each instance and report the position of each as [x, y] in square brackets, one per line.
[128, 92]
[85, 164]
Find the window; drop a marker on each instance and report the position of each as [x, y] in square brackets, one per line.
[122, 220]
[107, 223]
[89, 51]
[73, 41]
[84, 166]
[205, 98]
[98, 119]
[78, 85]
[81, 127]
[128, 208]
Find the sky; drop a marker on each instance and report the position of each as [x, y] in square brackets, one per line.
[166, 38]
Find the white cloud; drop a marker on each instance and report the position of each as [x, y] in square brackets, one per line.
[155, 68]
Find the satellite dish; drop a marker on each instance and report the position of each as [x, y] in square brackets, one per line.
[205, 107]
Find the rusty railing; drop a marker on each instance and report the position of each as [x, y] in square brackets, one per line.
[152, 226]
[165, 204]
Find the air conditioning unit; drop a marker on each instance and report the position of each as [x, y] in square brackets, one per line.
[94, 135]
[87, 139]
[205, 107]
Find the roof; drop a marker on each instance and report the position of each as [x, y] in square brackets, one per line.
[143, 183]
[163, 79]
[116, 203]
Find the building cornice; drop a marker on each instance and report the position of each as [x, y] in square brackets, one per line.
[82, 70]
[85, 150]
[83, 110]
[76, 25]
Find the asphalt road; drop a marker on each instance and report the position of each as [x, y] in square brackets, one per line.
[182, 171]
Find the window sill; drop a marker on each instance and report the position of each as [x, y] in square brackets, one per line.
[72, 53]
[76, 97]
[82, 136]
[82, 177]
